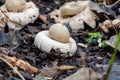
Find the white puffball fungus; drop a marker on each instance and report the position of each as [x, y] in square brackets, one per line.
[17, 20]
[15, 5]
[59, 33]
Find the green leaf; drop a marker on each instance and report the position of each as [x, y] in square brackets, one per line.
[89, 40]
[95, 35]
[92, 36]
[104, 44]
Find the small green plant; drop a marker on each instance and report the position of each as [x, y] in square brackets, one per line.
[113, 57]
[103, 44]
[93, 36]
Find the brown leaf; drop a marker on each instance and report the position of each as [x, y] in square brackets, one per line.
[83, 74]
[112, 41]
[49, 72]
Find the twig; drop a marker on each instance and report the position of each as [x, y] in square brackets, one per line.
[14, 69]
[79, 34]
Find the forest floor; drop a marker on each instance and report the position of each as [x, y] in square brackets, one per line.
[22, 47]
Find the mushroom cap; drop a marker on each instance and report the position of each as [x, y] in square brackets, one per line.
[15, 5]
[46, 44]
[59, 33]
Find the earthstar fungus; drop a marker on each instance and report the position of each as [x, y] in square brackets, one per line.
[54, 39]
[15, 5]
[18, 13]
[75, 12]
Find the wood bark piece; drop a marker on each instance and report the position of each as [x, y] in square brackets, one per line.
[21, 64]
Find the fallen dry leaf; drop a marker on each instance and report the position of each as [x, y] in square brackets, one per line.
[83, 74]
[112, 41]
[107, 24]
[49, 72]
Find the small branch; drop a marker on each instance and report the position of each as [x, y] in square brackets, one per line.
[14, 69]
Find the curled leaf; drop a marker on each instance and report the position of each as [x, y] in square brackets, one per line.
[111, 42]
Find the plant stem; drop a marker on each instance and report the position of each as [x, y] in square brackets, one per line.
[113, 57]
